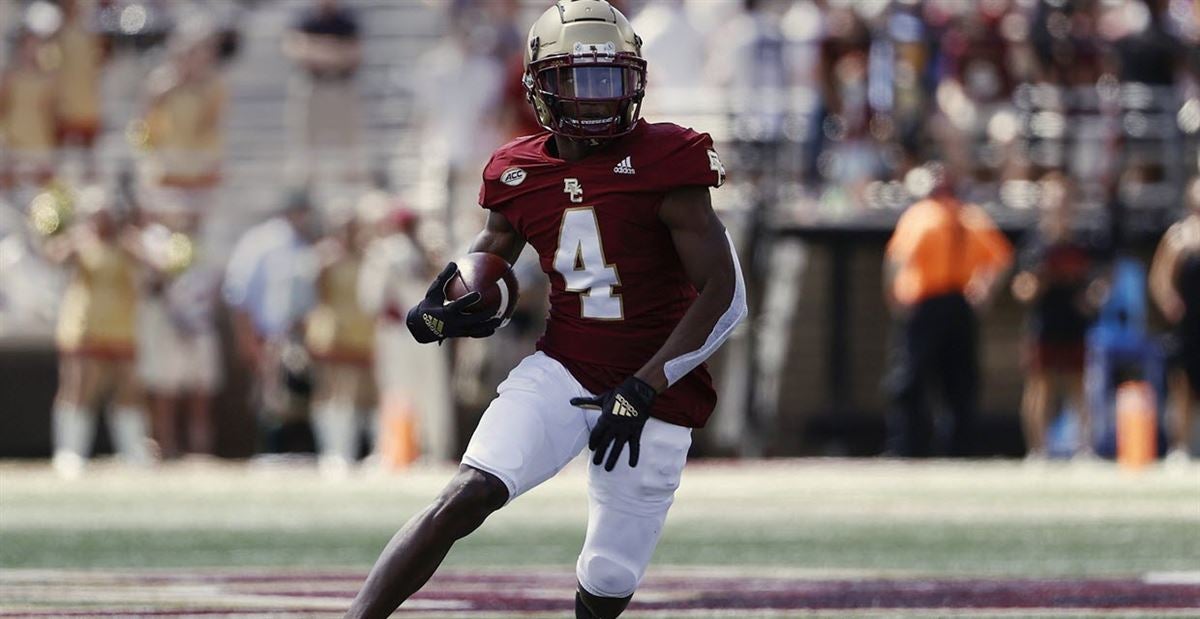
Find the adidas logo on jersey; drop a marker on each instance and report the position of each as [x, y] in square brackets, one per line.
[625, 167]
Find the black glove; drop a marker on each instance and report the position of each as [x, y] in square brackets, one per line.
[623, 413]
[433, 320]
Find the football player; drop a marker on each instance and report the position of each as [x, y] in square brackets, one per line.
[645, 285]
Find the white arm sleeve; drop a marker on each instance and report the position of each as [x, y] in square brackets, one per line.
[678, 367]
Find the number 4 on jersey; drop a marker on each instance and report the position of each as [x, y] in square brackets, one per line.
[580, 260]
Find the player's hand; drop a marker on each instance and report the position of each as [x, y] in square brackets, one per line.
[434, 320]
[623, 413]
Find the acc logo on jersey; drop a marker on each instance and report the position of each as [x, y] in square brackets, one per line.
[513, 177]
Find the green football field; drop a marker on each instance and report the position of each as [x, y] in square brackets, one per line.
[785, 538]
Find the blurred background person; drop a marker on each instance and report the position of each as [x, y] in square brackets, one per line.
[1175, 287]
[850, 157]
[674, 46]
[459, 90]
[179, 351]
[268, 286]
[1058, 281]
[324, 112]
[28, 92]
[416, 415]
[941, 267]
[81, 53]
[183, 123]
[340, 336]
[96, 336]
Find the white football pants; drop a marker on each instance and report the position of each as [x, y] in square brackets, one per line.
[531, 431]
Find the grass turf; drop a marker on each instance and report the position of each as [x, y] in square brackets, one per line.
[946, 519]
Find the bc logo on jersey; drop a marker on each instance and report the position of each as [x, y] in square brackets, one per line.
[714, 164]
[572, 188]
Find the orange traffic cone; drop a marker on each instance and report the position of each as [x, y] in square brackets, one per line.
[1136, 415]
[400, 443]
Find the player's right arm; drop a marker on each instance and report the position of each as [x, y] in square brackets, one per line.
[1162, 277]
[499, 237]
[434, 320]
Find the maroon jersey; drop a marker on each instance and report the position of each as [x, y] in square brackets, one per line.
[617, 287]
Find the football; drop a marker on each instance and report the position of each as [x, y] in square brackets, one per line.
[492, 277]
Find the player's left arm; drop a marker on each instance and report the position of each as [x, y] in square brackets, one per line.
[707, 254]
[708, 257]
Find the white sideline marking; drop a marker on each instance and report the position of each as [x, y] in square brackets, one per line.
[1172, 578]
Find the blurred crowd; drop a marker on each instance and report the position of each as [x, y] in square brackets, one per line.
[1080, 114]
[308, 292]
[836, 100]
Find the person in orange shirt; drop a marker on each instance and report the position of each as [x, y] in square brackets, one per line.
[942, 264]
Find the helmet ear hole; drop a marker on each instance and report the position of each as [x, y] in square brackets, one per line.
[527, 82]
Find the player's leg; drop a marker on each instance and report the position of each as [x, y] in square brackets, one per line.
[205, 356]
[366, 404]
[334, 423]
[1074, 388]
[909, 422]
[128, 425]
[161, 372]
[162, 422]
[626, 511]
[74, 423]
[200, 426]
[527, 434]
[1185, 387]
[1180, 413]
[1034, 402]
[960, 376]
[416, 551]
[588, 606]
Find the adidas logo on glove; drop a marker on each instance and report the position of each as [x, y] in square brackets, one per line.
[622, 408]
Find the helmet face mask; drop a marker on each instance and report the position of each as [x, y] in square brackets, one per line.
[589, 80]
[600, 99]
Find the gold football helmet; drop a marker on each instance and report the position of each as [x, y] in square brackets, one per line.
[584, 71]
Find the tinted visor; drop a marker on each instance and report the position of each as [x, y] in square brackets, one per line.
[590, 82]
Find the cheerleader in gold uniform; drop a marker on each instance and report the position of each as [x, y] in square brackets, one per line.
[27, 125]
[80, 51]
[95, 339]
[183, 125]
[340, 338]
